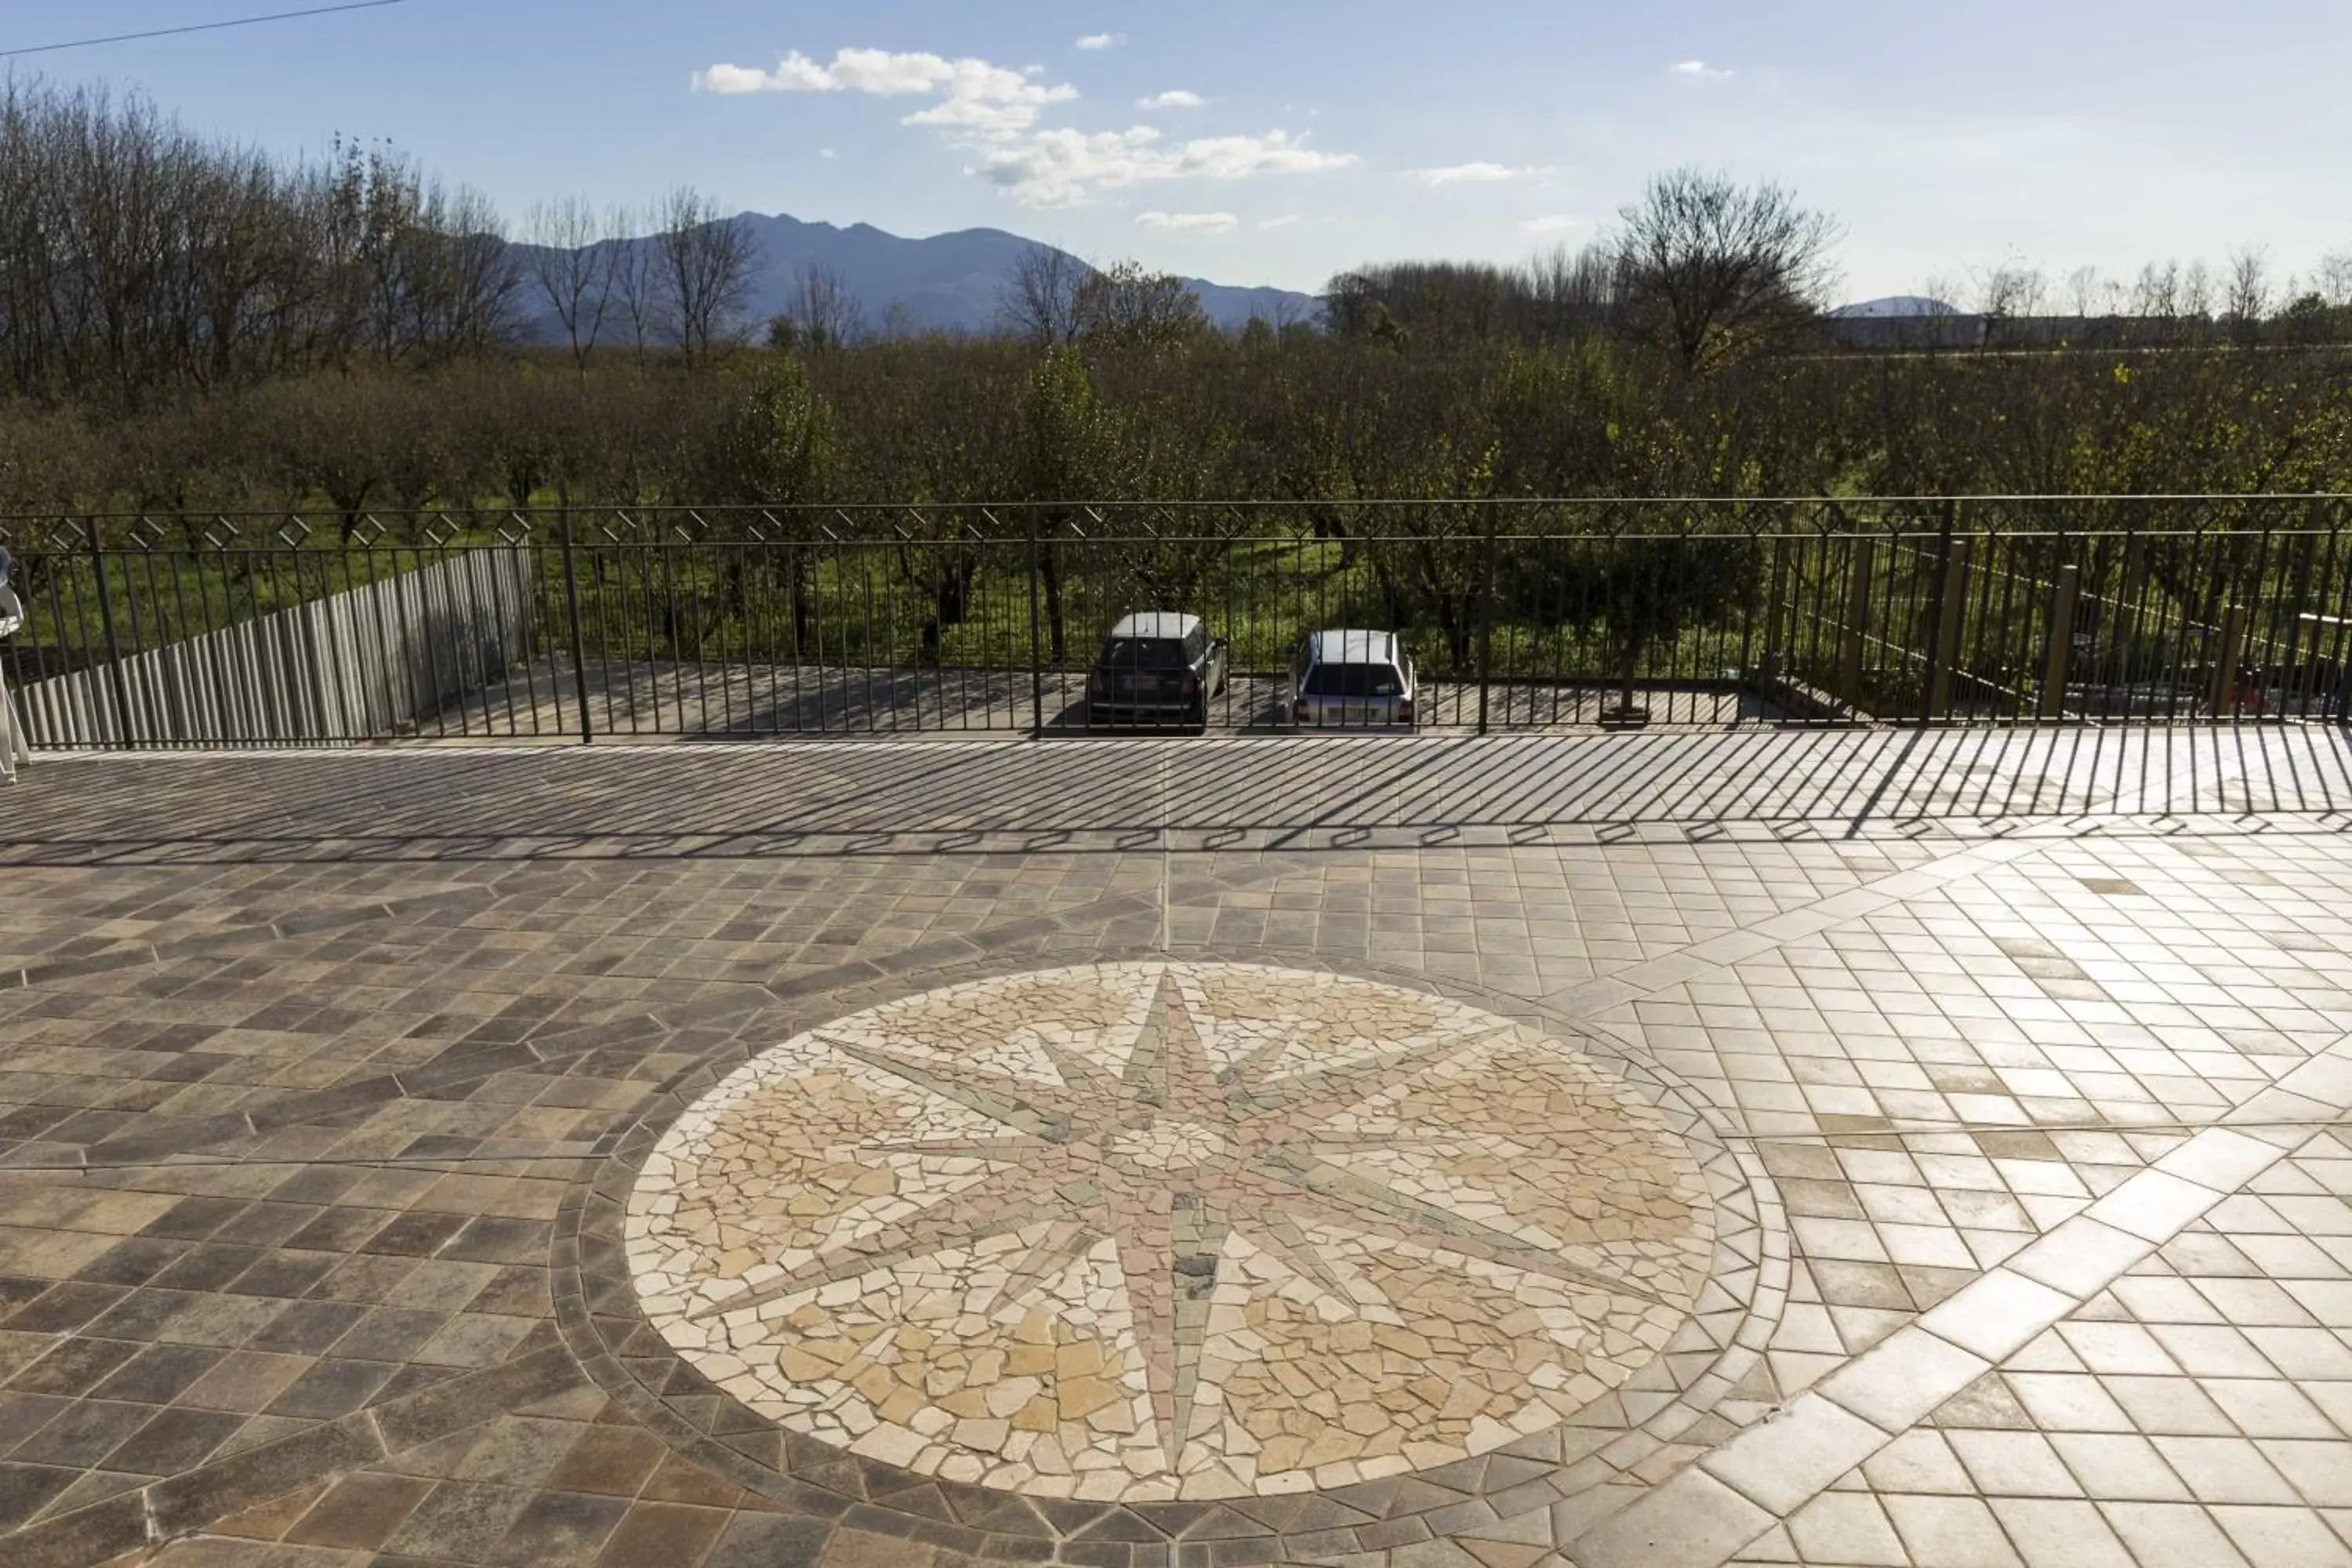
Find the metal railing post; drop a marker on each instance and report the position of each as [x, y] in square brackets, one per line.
[1951, 614]
[1857, 617]
[2123, 631]
[1933, 688]
[1036, 647]
[2058, 653]
[2287, 619]
[579, 649]
[2223, 699]
[1776, 616]
[1485, 615]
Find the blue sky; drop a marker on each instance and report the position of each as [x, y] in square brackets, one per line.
[1948, 139]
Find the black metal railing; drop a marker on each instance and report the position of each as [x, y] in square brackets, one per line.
[589, 623]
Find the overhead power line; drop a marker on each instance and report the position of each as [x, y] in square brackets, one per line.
[200, 28]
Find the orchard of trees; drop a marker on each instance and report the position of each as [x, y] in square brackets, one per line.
[186, 325]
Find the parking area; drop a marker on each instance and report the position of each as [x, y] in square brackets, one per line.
[654, 701]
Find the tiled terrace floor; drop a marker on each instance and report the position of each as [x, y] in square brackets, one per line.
[1626, 1152]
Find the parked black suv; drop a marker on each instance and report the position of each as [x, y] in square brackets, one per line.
[1156, 668]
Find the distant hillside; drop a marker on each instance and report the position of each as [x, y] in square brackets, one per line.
[949, 282]
[1895, 306]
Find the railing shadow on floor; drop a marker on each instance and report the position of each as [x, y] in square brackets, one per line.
[1126, 794]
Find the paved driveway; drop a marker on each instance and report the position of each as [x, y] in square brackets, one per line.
[1841, 1148]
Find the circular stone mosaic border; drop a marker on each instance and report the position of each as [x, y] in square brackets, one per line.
[1659, 1411]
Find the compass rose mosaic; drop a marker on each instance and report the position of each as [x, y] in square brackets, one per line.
[1160, 1230]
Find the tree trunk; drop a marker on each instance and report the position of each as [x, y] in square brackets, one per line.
[954, 597]
[1459, 625]
[735, 591]
[1049, 568]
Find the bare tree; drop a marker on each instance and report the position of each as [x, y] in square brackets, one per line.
[1714, 271]
[2196, 292]
[2156, 295]
[2246, 294]
[137, 258]
[2011, 290]
[1038, 301]
[2086, 291]
[2332, 279]
[825, 314]
[1571, 291]
[633, 268]
[1940, 291]
[706, 265]
[573, 269]
[470, 285]
[2010, 294]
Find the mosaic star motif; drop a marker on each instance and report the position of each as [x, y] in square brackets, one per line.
[1165, 1230]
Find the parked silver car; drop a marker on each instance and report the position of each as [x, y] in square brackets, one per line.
[1352, 679]
[1157, 668]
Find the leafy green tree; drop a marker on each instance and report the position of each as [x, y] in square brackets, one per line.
[774, 447]
[1125, 308]
[1068, 456]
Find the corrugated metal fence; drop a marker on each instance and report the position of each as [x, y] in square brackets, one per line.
[367, 662]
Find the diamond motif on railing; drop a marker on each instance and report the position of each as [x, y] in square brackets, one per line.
[439, 533]
[293, 533]
[368, 533]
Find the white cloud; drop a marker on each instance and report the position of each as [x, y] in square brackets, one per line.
[1174, 97]
[1284, 221]
[1559, 223]
[1699, 69]
[977, 96]
[1239, 157]
[1470, 175]
[992, 112]
[824, 152]
[731, 80]
[1189, 222]
[1062, 168]
[1101, 40]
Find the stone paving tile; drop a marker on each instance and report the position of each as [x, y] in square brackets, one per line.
[316, 1152]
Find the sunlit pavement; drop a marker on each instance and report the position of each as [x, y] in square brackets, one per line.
[1840, 1147]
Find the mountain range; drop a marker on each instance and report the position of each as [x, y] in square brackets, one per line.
[955, 282]
[948, 282]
